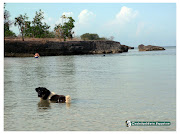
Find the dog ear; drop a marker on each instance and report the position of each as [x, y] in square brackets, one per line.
[37, 89]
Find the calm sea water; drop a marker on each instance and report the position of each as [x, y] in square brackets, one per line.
[105, 91]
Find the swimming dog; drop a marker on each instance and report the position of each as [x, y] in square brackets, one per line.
[45, 94]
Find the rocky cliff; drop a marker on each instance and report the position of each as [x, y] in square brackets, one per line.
[51, 48]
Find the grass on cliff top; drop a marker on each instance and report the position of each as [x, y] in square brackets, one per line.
[41, 39]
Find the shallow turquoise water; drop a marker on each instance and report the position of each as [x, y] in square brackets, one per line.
[105, 91]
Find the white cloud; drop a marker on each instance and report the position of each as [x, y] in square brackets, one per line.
[85, 22]
[68, 14]
[86, 17]
[126, 14]
[122, 23]
[122, 20]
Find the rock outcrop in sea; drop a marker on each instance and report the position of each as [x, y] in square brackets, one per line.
[149, 48]
[17, 48]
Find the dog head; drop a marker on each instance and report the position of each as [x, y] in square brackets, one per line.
[43, 92]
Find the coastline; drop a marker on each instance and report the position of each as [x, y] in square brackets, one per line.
[18, 48]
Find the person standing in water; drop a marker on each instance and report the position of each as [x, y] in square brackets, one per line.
[36, 55]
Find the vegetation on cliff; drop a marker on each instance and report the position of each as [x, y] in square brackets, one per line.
[37, 28]
[64, 30]
[20, 21]
[7, 23]
[91, 36]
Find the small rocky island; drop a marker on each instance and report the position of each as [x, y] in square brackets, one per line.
[18, 48]
[149, 48]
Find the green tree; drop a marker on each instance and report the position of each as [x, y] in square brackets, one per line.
[21, 22]
[6, 19]
[59, 31]
[88, 36]
[39, 29]
[65, 30]
[28, 29]
[7, 23]
[9, 33]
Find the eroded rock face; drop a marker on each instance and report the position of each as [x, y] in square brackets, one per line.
[149, 48]
[52, 48]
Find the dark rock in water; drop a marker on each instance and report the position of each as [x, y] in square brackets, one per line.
[19, 48]
[130, 47]
[149, 48]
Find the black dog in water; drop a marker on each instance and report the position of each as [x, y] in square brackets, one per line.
[45, 94]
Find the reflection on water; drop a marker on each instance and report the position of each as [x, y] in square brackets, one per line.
[105, 90]
[44, 104]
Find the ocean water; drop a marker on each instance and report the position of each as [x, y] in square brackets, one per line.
[105, 90]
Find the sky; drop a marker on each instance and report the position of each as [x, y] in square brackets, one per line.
[129, 23]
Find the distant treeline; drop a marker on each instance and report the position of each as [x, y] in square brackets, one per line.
[88, 36]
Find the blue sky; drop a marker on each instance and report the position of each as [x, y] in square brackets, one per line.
[129, 23]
